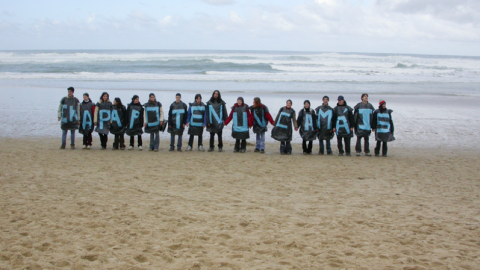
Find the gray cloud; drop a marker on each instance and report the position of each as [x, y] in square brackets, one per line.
[219, 2]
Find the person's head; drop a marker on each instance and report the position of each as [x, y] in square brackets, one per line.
[325, 100]
[86, 97]
[216, 96]
[135, 99]
[306, 104]
[365, 98]
[151, 97]
[341, 100]
[70, 90]
[117, 102]
[104, 97]
[198, 98]
[289, 103]
[178, 97]
[257, 102]
[240, 101]
[382, 105]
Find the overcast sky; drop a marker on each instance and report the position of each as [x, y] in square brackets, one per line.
[450, 27]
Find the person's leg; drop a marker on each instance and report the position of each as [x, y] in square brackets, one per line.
[309, 150]
[132, 141]
[340, 145]
[358, 146]
[122, 141]
[115, 141]
[220, 140]
[157, 141]
[366, 145]
[85, 138]
[237, 145]
[64, 138]
[172, 141]
[200, 140]
[262, 141]
[282, 147]
[72, 137]
[179, 142]
[377, 148]
[322, 147]
[190, 141]
[288, 147]
[89, 139]
[384, 149]
[329, 148]
[139, 140]
[244, 145]
[304, 146]
[347, 145]
[152, 140]
[257, 140]
[212, 140]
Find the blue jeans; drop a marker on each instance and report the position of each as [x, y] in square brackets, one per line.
[154, 140]
[64, 137]
[172, 141]
[285, 147]
[322, 148]
[260, 144]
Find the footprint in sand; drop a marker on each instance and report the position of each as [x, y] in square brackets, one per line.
[91, 258]
[141, 258]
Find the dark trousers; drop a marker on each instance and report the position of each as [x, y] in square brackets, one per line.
[87, 139]
[212, 139]
[366, 146]
[340, 144]
[132, 140]
[240, 145]
[119, 141]
[384, 148]
[322, 147]
[285, 147]
[103, 140]
[190, 140]
[307, 146]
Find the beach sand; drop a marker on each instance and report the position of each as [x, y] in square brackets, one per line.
[93, 209]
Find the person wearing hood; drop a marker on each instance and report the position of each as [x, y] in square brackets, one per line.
[135, 122]
[325, 126]
[282, 130]
[153, 120]
[306, 122]
[68, 116]
[260, 113]
[216, 116]
[242, 121]
[118, 124]
[87, 111]
[196, 122]
[343, 125]
[363, 117]
[102, 118]
[382, 125]
[177, 119]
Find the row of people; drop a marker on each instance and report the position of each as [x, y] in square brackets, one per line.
[323, 123]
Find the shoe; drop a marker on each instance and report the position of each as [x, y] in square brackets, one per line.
[289, 153]
[210, 149]
[235, 151]
[348, 154]
[384, 155]
[320, 153]
[368, 154]
[262, 151]
[179, 149]
[340, 154]
[114, 148]
[330, 153]
[130, 147]
[84, 147]
[123, 148]
[282, 153]
[220, 150]
[88, 147]
[104, 148]
[305, 153]
[155, 150]
[377, 155]
[358, 154]
[140, 148]
[150, 149]
[200, 148]
[62, 147]
[243, 150]
[256, 150]
[72, 147]
[171, 149]
[189, 148]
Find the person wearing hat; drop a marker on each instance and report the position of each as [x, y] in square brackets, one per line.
[307, 125]
[382, 125]
[325, 125]
[153, 121]
[343, 125]
[68, 116]
[242, 121]
[261, 115]
[177, 119]
[196, 122]
[135, 120]
[363, 116]
[282, 130]
[87, 110]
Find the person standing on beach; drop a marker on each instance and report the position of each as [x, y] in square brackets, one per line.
[343, 120]
[282, 131]
[242, 121]
[382, 125]
[87, 110]
[135, 122]
[196, 122]
[102, 118]
[260, 113]
[119, 124]
[325, 125]
[153, 120]
[216, 115]
[363, 117]
[307, 124]
[68, 116]
[177, 119]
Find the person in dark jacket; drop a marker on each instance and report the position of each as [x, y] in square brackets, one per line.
[325, 125]
[216, 116]
[306, 122]
[135, 123]
[382, 125]
[282, 131]
[68, 116]
[119, 123]
[153, 121]
[242, 121]
[177, 119]
[196, 122]
[260, 113]
[102, 118]
[343, 125]
[87, 111]
[363, 117]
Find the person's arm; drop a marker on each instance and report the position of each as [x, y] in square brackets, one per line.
[229, 118]
[145, 117]
[374, 122]
[205, 117]
[225, 113]
[95, 115]
[60, 108]
[351, 119]
[78, 112]
[250, 118]
[294, 121]
[269, 118]
[161, 114]
[185, 118]
[314, 119]
[170, 117]
[300, 118]
[334, 120]
[391, 124]
[278, 115]
[189, 114]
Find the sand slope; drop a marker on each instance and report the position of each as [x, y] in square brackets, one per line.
[63, 209]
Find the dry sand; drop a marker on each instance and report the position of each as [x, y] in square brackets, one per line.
[81, 209]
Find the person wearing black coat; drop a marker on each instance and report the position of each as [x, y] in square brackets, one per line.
[119, 122]
[135, 122]
[382, 125]
[306, 122]
[343, 125]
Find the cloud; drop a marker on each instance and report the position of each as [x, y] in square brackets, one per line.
[219, 2]
[7, 14]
